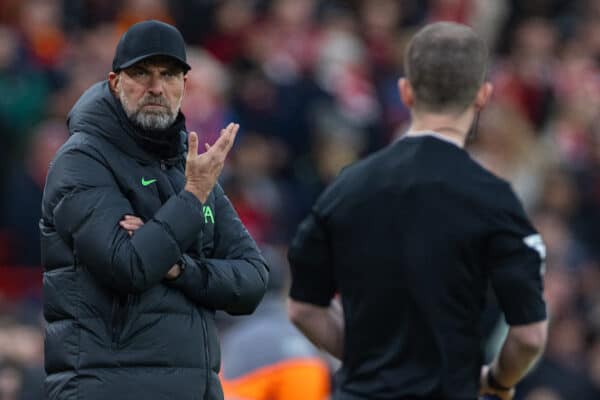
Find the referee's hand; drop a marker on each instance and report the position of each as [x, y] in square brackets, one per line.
[487, 392]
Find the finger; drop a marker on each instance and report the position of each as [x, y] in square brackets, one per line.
[218, 145]
[130, 226]
[233, 134]
[136, 220]
[224, 130]
[228, 144]
[192, 144]
[225, 141]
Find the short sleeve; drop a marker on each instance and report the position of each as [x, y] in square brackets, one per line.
[311, 265]
[516, 255]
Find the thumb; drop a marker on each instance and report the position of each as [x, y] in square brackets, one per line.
[192, 144]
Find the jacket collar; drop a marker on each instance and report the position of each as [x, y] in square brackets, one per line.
[99, 113]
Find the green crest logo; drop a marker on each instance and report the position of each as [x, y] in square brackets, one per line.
[208, 215]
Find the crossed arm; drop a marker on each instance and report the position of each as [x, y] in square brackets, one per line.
[84, 204]
[233, 280]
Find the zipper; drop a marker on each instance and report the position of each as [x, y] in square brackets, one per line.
[163, 166]
[119, 312]
[206, 355]
[114, 322]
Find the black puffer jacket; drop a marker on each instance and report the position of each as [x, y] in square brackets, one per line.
[116, 329]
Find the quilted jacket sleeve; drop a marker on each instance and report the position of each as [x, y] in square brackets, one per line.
[235, 279]
[84, 203]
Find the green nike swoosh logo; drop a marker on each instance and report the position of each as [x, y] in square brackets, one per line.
[147, 182]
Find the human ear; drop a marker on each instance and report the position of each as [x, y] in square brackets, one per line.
[406, 92]
[484, 94]
[113, 81]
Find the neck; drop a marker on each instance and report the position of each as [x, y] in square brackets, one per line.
[453, 127]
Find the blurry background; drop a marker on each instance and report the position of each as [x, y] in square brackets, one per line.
[313, 85]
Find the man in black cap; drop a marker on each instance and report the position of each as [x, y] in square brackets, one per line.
[140, 244]
[411, 238]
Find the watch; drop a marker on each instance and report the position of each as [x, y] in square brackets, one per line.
[494, 384]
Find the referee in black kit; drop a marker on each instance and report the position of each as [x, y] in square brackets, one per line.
[411, 237]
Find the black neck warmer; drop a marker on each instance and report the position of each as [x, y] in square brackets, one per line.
[162, 143]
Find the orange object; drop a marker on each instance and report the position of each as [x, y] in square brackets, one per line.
[295, 379]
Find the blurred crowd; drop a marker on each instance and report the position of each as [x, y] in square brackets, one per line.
[313, 84]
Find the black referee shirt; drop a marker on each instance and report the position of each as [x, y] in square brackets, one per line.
[411, 237]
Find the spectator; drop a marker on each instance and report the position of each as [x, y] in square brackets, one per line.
[20, 212]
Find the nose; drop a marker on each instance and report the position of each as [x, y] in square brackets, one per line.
[155, 85]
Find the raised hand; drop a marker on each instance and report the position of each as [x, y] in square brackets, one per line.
[203, 170]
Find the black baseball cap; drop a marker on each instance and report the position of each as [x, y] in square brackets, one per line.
[146, 39]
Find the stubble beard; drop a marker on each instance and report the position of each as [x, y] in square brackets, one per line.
[150, 120]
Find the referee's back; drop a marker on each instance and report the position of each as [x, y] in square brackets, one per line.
[409, 228]
[411, 238]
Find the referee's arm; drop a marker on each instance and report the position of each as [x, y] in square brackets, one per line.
[310, 305]
[323, 326]
[522, 347]
[516, 256]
